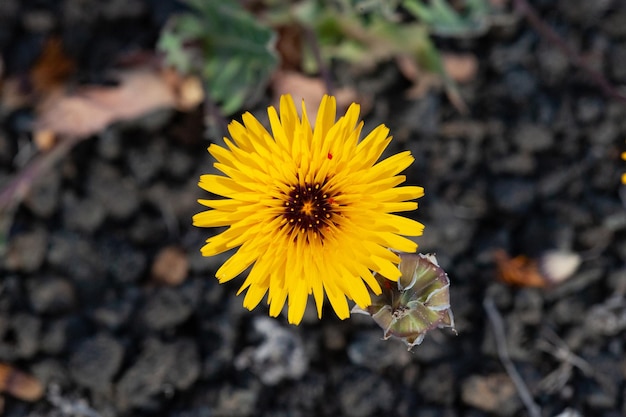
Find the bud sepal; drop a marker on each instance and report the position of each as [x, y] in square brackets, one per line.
[417, 303]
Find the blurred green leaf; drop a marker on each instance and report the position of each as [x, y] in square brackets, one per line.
[226, 46]
[444, 20]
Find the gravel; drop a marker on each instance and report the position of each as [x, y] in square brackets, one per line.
[105, 298]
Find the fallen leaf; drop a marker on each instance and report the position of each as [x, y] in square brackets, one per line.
[90, 109]
[53, 67]
[550, 268]
[19, 384]
[48, 74]
[520, 270]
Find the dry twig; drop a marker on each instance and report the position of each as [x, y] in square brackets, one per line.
[524, 8]
[556, 347]
[498, 330]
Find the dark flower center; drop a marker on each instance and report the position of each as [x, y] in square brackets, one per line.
[308, 207]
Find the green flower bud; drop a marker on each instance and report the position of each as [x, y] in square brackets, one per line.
[417, 303]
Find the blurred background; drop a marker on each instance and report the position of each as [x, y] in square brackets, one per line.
[515, 112]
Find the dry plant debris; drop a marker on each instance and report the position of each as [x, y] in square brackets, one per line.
[551, 268]
[90, 109]
[19, 384]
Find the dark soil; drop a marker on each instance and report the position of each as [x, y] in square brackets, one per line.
[534, 166]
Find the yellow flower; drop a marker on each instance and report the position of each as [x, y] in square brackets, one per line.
[309, 209]
[624, 175]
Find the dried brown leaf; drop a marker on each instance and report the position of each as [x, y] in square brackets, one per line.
[90, 109]
[19, 384]
[53, 67]
[311, 90]
[520, 270]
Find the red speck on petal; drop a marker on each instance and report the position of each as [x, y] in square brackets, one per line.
[331, 201]
[330, 155]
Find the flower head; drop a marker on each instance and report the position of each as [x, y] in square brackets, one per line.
[310, 209]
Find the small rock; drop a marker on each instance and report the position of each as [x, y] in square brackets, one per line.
[145, 378]
[501, 295]
[235, 401]
[335, 337]
[595, 238]
[179, 164]
[437, 384]
[148, 228]
[434, 347]
[27, 251]
[51, 371]
[166, 308]
[306, 394]
[20, 337]
[115, 313]
[529, 306]
[513, 195]
[109, 142]
[118, 195]
[363, 393]
[606, 132]
[520, 84]
[170, 266]
[422, 116]
[614, 24]
[367, 350]
[494, 393]
[125, 263]
[82, 215]
[54, 339]
[617, 281]
[582, 279]
[517, 164]
[123, 9]
[598, 399]
[76, 257]
[553, 63]
[145, 162]
[95, 362]
[565, 311]
[589, 109]
[280, 355]
[581, 11]
[51, 295]
[608, 318]
[187, 368]
[533, 138]
[44, 196]
[38, 21]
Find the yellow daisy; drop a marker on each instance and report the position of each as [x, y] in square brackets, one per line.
[309, 209]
